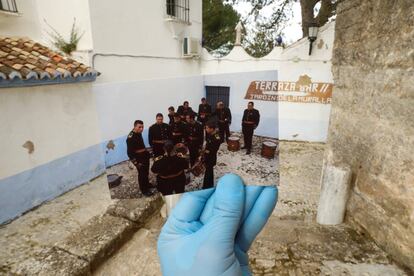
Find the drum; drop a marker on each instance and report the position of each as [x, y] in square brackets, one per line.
[198, 168]
[233, 144]
[269, 149]
[114, 180]
[181, 150]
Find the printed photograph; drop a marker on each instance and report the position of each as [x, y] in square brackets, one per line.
[192, 148]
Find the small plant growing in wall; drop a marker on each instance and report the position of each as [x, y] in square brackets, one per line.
[63, 45]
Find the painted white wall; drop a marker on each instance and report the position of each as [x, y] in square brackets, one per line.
[60, 14]
[294, 56]
[297, 121]
[58, 119]
[26, 24]
[144, 39]
[120, 104]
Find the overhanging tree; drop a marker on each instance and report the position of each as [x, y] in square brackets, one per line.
[219, 21]
[327, 10]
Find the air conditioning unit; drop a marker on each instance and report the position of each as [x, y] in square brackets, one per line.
[191, 47]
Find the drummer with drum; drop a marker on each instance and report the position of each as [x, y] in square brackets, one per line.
[250, 121]
[195, 137]
[170, 169]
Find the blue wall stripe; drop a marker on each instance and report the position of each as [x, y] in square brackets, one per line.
[21, 192]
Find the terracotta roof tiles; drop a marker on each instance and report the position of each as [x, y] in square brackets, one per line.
[25, 60]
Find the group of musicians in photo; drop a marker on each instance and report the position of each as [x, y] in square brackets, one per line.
[188, 142]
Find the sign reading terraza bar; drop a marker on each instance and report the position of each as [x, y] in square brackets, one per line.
[301, 91]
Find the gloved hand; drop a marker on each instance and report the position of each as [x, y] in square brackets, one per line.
[210, 231]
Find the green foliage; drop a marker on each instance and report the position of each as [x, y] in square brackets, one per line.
[260, 45]
[61, 43]
[219, 21]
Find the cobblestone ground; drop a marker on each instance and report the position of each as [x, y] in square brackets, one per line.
[291, 243]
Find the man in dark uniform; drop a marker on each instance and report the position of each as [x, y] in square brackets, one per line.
[250, 120]
[157, 135]
[178, 130]
[171, 112]
[204, 111]
[223, 115]
[195, 137]
[184, 110]
[139, 156]
[170, 171]
[213, 142]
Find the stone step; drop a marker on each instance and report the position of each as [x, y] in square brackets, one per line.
[81, 252]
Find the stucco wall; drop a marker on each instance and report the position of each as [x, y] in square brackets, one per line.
[371, 128]
[50, 143]
[142, 39]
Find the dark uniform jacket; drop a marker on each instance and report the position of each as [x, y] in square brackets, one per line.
[135, 147]
[204, 109]
[166, 166]
[182, 111]
[158, 133]
[223, 115]
[251, 118]
[195, 134]
[213, 142]
[178, 128]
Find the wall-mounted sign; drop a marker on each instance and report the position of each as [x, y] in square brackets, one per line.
[301, 91]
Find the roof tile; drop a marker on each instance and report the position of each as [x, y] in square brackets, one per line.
[30, 66]
[24, 59]
[17, 66]
[25, 53]
[44, 58]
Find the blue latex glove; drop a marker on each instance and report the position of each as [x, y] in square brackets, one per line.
[209, 232]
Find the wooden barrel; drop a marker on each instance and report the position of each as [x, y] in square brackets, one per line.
[269, 149]
[233, 143]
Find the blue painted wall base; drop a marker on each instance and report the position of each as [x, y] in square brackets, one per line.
[26, 190]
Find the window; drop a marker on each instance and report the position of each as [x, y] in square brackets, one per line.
[8, 6]
[179, 9]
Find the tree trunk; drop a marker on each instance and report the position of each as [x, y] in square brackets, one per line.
[325, 12]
